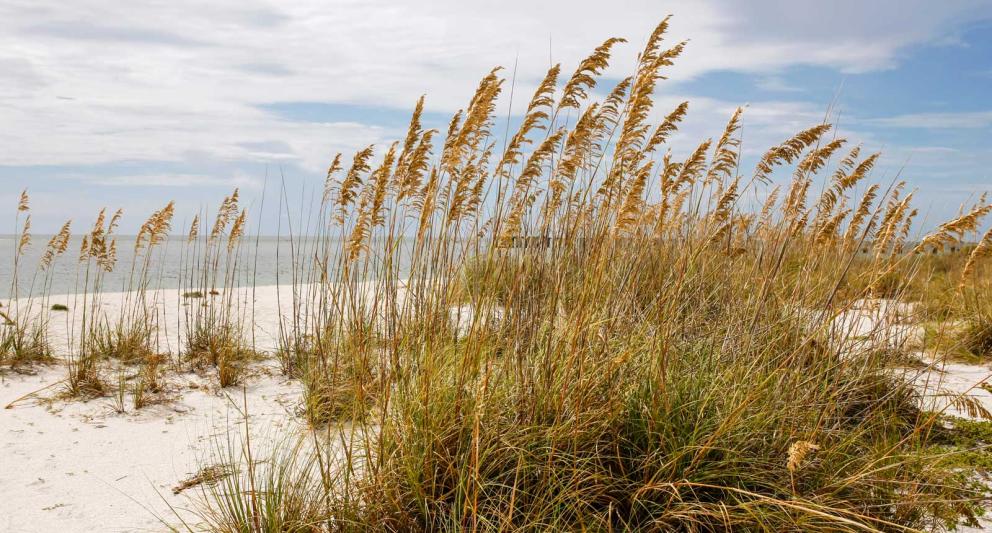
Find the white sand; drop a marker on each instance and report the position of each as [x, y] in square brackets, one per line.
[74, 466]
[169, 309]
[82, 467]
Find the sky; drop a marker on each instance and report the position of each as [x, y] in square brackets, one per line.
[111, 104]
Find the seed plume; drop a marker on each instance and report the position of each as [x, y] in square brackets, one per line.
[584, 78]
[57, 245]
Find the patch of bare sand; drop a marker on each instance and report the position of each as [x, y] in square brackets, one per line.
[80, 466]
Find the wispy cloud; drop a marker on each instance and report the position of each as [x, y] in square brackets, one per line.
[776, 84]
[180, 180]
[73, 31]
[967, 120]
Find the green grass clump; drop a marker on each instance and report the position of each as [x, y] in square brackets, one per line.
[23, 345]
[128, 343]
[976, 336]
[966, 444]
[128, 346]
[223, 347]
[340, 375]
[631, 428]
[963, 330]
[283, 492]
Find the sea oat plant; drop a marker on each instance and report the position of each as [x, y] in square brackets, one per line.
[23, 325]
[216, 330]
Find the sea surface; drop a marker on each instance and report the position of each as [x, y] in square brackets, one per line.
[259, 260]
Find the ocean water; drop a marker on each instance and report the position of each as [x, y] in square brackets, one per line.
[267, 260]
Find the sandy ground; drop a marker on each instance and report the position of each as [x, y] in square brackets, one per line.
[72, 466]
[170, 309]
[81, 466]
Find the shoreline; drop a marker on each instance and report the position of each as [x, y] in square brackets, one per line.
[264, 306]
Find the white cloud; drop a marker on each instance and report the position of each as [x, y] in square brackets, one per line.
[96, 82]
[93, 81]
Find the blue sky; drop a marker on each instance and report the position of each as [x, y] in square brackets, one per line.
[112, 105]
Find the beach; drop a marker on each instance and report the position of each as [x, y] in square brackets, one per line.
[75, 465]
